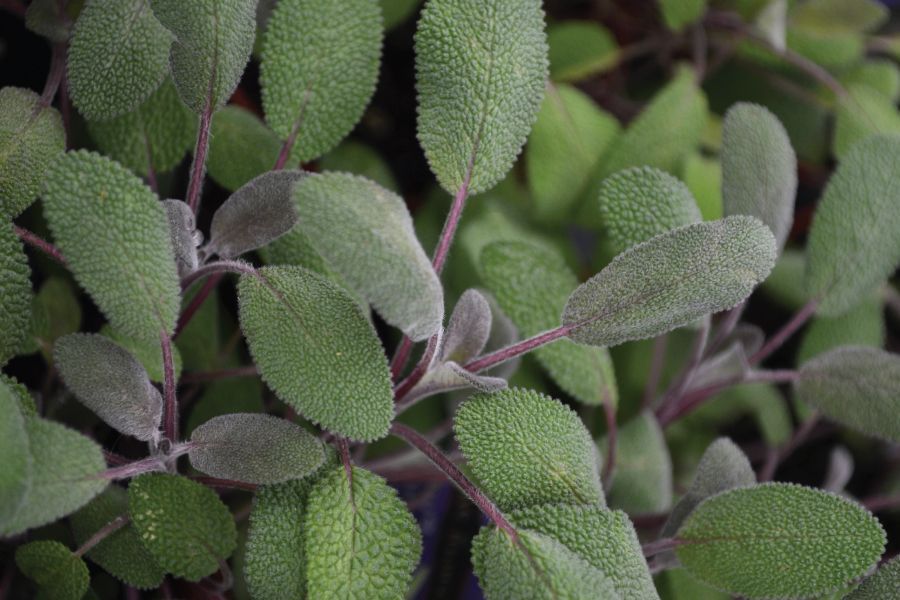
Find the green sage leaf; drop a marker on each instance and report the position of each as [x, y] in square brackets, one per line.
[15, 476]
[15, 294]
[885, 583]
[862, 325]
[57, 571]
[579, 49]
[679, 13]
[862, 112]
[241, 147]
[642, 480]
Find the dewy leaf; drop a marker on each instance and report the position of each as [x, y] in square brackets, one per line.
[861, 113]
[884, 584]
[111, 382]
[184, 235]
[850, 252]
[318, 71]
[241, 147]
[468, 329]
[759, 168]
[365, 233]
[118, 57]
[779, 540]
[642, 202]
[57, 571]
[182, 523]
[121, 553]
[258, 213]
[15, 294]
[568, 139]
[31, 136]
[722, 467]
[115, 234]
[213, 39]
[480, 72]
[155, 136]
[63, 475]
[255, 448]
[605, 539]
[526, 448]
[534, 567]
[862, 325]
[361, 540]
[856, 386]
[531, 284]
[15, 476]
[642, 480]
[671, 280]
[316, 350]
[579, 49]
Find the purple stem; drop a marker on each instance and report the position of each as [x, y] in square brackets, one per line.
[55, 75]
[103, 533]
[215, 482]
[404, 387]
[673, 395]
[508, 353]
[198, 167]
[413, 438]
[657, 363]
[659, 546]
[221, 266]
[285, 153]
[401, 356]
[196, 302]
[170, 418]
[797, 439]
[204, 376]
[791, 327]
[41, 244]
[133, 469]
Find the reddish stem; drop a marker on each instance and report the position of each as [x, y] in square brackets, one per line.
[170, 413]
[783, 334]
[508, 353]
[204, 376]
[220, 266]
[215, 482]
[133, 469]
[658, 362]
[55, 75]
[41, 244]
[403, 388]
[285, 153]
[196, 302]
[401, 357]
[198, 167]
[103, 533]
[659, 546]
[450, 225]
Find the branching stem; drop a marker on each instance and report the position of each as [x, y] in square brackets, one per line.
[221, 266]
[41, 244]
[510, 352]
[103, 533]
[783, 334]
[198, 167]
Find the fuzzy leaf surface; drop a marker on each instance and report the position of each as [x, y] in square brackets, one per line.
[317, 351]
[526, 448]
[579, 49]
[779, 540]
[480, 72]
[365, 233]
[241, 147]
[885, 583]
[118, 57]
[15, 476]
[671, 280]
[862, 325]
[319, 67]
[57, 572]
[115, 234]
[184, 235]
[642, 480]
[863, 112]
[468, 329]
[15, 294]
[182, 523]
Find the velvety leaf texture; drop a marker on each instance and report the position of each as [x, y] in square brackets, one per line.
[183, 524]
[184, 235]
[58, 573]
[316, 350]
[535, 567]
[605, 539]
[318, 71]
[15, 476]
[779, 540]
[55, 312]
[213, 39]
[884, 584]
[579, 49]
[850, 252]
[863, 112]
[642, 202]
[759, 168]
[121, 553]
[671, 280]
[117, 58]
[111, 382]
[642, 480]
[258, 213]
[568, 139]
[49, 19]
[862, 325]
[526, 448]
[531, 285]
[254, 448]
[365, 233]
[64, 466]
[361, 540]
[468, 329]
[15, 294]
[31, 136]
[480, 72]
[115, 234]
[157, 135]
[148, 353]
[241, 147]
[856, 386]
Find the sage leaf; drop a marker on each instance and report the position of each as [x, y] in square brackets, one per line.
[779, 540]
[255, 448]
[50, 19]
[57, 571]
[64, 470]
[111, 382]
[861, 113]
[856, 386]
[642, 480]
[579, 49]
[213, 39]
[722, 467]
[671, 280]
[182, 523]
[604, 538]
[361, 540]
[121, 554]
[642, 202]
[480, 72]
[862, 325]
[316, 350]
[885, 583]
[184, 235]
[31, 136]
[15, 294]
[55, 312]
[148, 353]
[117, 58]
[850, 252]
[241, 147]
[92, 205]
[679, 13]
[15, 477]
[448, 376]
[318, 71]
[365, 233]
[360, 159]
[260, 212]
[531, 285]
[468, 329]
[759, 168]
[397, 11]
[525, 448]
